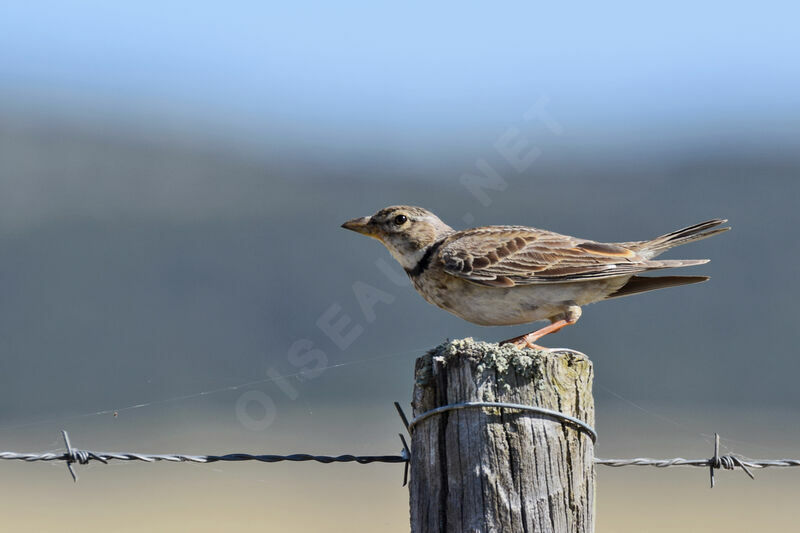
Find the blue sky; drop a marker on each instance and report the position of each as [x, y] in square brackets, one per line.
[348, 67]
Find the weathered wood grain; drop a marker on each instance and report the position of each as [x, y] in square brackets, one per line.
[489, 470]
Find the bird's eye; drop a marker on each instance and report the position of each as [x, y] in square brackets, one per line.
[399, 220]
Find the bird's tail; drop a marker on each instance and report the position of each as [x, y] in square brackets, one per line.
[639, 284]
[659, 245]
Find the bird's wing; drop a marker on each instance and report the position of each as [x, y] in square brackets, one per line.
[516, 255]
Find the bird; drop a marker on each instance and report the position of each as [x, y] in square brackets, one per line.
[511, 275]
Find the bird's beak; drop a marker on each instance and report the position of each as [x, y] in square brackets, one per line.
[360, 225]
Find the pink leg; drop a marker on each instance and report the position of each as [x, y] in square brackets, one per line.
[527, 341]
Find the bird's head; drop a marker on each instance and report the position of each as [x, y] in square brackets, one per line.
[405, 230]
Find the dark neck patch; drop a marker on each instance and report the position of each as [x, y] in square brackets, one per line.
[425, 261]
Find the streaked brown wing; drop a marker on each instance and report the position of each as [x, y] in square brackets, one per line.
[517, 255]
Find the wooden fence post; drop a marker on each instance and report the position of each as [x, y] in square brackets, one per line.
[501, 470]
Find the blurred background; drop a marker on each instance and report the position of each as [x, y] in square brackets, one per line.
[172, 180]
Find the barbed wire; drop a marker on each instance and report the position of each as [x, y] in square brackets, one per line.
[725, 462]
[83, 457]
[77, 456]
[73, 456]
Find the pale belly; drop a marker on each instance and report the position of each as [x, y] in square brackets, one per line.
[506, 306]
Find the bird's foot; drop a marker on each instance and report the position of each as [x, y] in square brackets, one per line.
[522, 342]
[528, 341]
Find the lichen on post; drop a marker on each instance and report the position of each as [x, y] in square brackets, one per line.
[496, 469]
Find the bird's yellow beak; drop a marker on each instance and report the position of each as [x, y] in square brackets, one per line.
[361, 225]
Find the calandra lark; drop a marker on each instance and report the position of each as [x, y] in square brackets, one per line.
[507, 275]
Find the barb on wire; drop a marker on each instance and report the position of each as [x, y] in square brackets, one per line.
[403, 416]
[406, 450]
